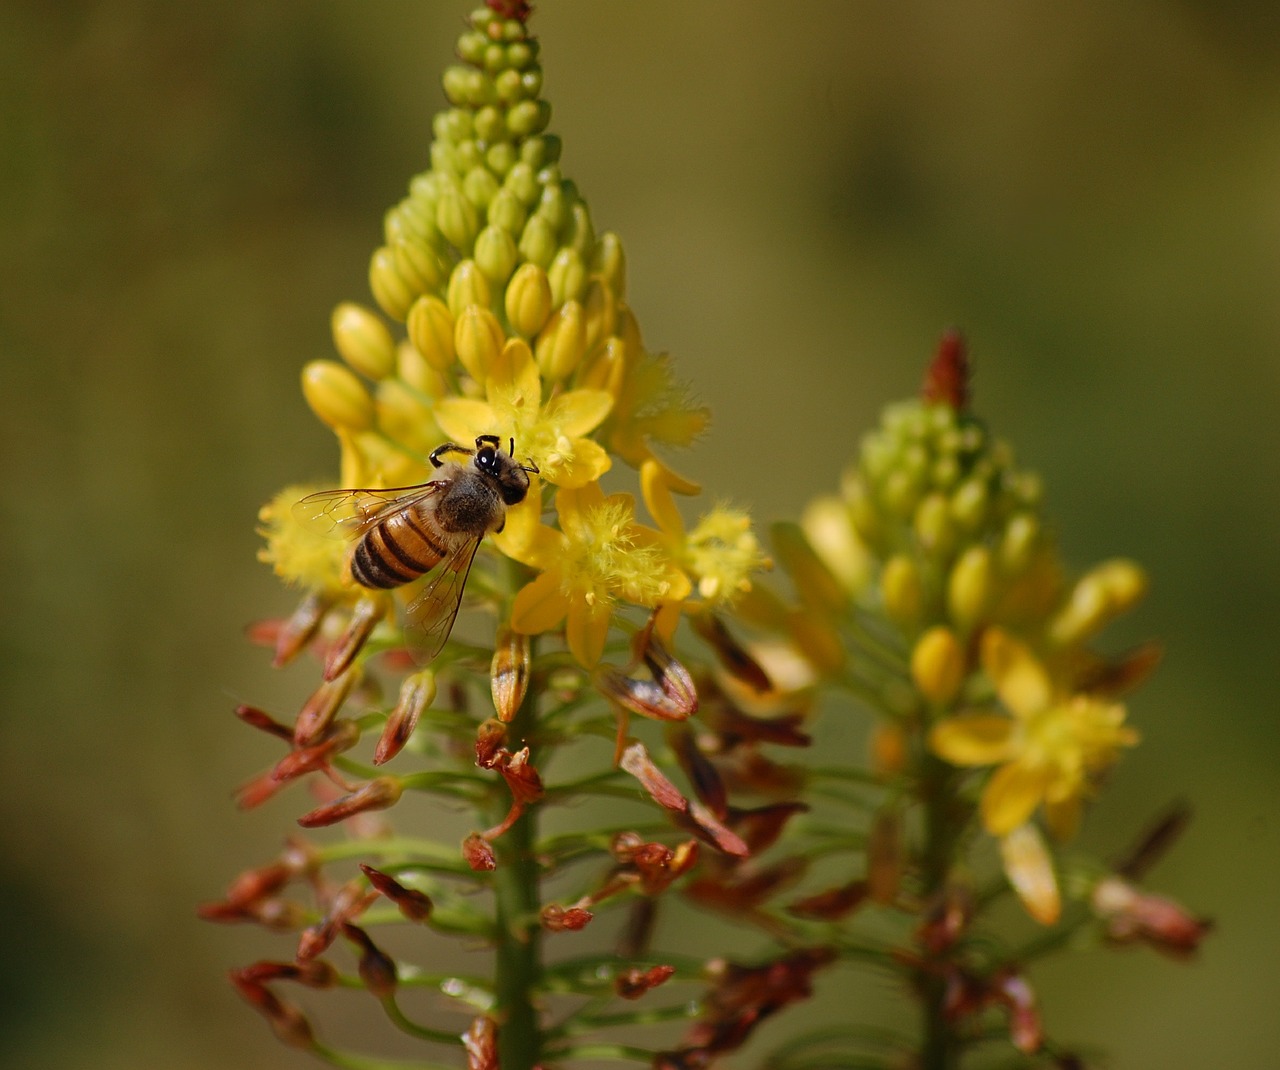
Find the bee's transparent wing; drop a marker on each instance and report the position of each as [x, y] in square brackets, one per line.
[432, 613]
[350, 513]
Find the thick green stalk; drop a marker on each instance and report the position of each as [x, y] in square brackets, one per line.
[516, 890]
[939, 1047]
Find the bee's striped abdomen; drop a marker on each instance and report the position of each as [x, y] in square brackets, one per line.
[398, 550]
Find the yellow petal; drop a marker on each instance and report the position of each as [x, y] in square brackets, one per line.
[1029, 867]
[579, 462]
[511, 367]
[972, 739]
[586, 630]
[572, 504]
[659, 500]
[539, 606]
[579, 412]
[519, 535]
[1011, 796]
[465, 419]
[1020, 680]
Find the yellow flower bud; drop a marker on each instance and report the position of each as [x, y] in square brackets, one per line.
[602, 313]
[971, 587]
[1099, 596]
[404, 416]
[431, 329]
[418, 265]
[902, 590]
[607, 367]
[414, 370]
[1029, 869]
[829, 529]
[362, 340]
[610, 263]
[467, 286]
[506, 211]
[538, 242]
[337, 396]
[969, 504]
[938, 665]
[814, 583]
[393, 294]
[457, 219]
[580, 235]
[1018, 542]
[562, 343]
[496, 254]
[528, 300]
[934, 526]
[568, 275]
[478, 339]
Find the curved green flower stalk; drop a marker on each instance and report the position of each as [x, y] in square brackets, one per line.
[928, 590]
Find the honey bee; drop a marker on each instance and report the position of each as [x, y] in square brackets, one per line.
[401, 533]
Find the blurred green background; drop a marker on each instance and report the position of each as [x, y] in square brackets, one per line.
[809, 194]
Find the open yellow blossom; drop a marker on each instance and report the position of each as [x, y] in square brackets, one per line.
[720, 552]
[299, 554]
[552, 434]
[599, 557]
[1047, 752]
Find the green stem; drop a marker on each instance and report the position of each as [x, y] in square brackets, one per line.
[940, 1049]
[516, 889]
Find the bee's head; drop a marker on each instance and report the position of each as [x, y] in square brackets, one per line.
[512, 479]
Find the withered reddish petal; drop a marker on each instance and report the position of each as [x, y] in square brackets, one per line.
[321, 708]
[833, 904]
[637, 932]
[254, 884]
[624, 845]
[635, 982]
[671, 677]
[509, 673]
[364, 618]
[522, 778]
[636, 761]
[377, 794]
[314, 974]
[261, 720]
[557, 919]
[413, 904]
[706, 825]
[289, 1023]
[478, 853]
[736, 727]
[644, 697]
[761, 827]
[481, 1043]
[1015, 993]
[702, 774]
[732, 655]
[377, 969]
[258, 790]
[417, 692]
[489, 739]
[341, 735]
[300, 628]
[1120, 675]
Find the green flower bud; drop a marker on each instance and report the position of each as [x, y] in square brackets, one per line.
[472, 45]
[507, 212]
[362, 340]
[935, 530]
[508, 86]
[457, 219]
[480, 186]
[529, 117]
[1018, 543]
[522, 180]
[522, 54]
[538, 242]
[969, 504]
[496, 254]
[419, 265]
[500, 158]
[580, 234]
[539, 152]
[528, 300]
[568, 276]
[467, 286]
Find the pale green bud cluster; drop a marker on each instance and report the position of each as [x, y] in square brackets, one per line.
[494, 197]
[941, 504]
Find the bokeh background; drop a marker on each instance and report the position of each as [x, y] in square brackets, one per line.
[809, 194]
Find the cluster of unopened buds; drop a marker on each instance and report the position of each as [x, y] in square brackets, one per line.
[611, 722]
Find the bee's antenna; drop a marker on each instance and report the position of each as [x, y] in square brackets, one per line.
[513, 447]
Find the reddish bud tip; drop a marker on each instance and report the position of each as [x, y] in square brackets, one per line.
[636, 761]
[378, 794]
[481, 1043]
[557, 919]
[376, 968]
[413, 904]
[947, 380]
[289, 1023]
[831, 905]
[635, 982]
[478, 853]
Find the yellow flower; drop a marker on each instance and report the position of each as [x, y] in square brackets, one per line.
[1048, 752]
[599, 557]
[720, 552]
[552, 434]
[299, 554]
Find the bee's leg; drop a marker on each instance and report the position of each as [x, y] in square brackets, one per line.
[448, 447]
